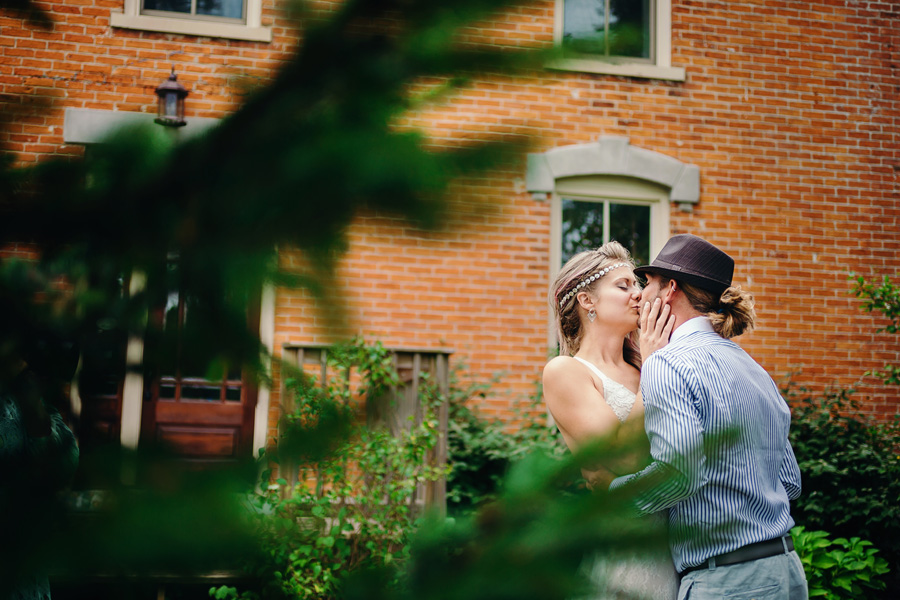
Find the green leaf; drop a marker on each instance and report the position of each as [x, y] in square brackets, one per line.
[824, 562]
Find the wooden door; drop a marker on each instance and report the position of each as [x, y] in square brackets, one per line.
[198, 419]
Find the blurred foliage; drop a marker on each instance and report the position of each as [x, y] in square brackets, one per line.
[851, 471]
[354, 507]
[883, 297]
[350, 528]
[111, 237]
[529, 543]
[29, 10]
[141, 218]
[181, 522]
[840, 568]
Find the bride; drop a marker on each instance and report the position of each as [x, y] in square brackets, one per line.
[592, 388]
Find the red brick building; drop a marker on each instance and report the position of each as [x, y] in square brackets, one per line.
[771, 128]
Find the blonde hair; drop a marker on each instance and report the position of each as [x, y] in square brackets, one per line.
[569, 329]
[731, 313]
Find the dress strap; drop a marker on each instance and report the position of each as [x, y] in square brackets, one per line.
[603, 376]
[619, 398]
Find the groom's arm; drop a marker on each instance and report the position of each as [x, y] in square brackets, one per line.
[676, 440]
[790, 473]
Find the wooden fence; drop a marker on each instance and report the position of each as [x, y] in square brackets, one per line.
[400, 408]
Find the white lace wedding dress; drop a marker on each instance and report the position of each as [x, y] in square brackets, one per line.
[640, 577]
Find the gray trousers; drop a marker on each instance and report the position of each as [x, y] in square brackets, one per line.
[778, 577]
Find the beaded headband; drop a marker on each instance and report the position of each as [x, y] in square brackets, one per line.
[589, 280]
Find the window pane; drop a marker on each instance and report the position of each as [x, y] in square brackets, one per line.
[197, 390]
[167, 389]
[233, 393]
[629, 28]
[180, 6]
[233, 9]
[583, 25]
[582, 227]
[630, 226]
[608, 27]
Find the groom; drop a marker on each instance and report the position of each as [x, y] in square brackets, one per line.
[722, 463]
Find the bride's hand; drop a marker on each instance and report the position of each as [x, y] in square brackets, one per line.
[656, 326]
[598, 479]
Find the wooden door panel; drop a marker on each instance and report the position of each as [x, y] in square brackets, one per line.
[200, 442]
[199, 413]
[196, 418]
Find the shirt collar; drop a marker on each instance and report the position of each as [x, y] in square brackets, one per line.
[694, 325]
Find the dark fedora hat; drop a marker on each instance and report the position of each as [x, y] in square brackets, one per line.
[693, 260]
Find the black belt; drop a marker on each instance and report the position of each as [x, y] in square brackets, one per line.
[747, 553]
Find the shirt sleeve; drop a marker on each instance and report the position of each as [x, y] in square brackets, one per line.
[673, 426]
[790, 473]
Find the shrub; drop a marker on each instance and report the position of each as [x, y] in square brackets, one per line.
[883, 297]
[477, 449]
[839, 568]
[482, 449]
[353, 507]
[851, 472]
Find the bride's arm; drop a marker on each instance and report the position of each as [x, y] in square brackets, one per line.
[579, 410]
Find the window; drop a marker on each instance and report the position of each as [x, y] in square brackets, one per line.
[184, 378]
[590, 211]
[588, 223]
[608, 27]
[227, 9]
[617, 37]
[233, 19]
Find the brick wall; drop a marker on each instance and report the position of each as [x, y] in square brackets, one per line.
[791, 115]
[82, 62]
[789, 109]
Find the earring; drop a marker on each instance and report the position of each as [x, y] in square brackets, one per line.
[592, 314]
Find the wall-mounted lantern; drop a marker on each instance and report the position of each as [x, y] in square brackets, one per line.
[170, 111]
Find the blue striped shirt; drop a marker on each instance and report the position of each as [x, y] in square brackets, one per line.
[722, 462]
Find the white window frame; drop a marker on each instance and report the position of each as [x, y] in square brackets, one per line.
[604, 190]
[659, 67]
[251, 30]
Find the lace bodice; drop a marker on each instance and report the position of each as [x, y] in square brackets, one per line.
[619, 398]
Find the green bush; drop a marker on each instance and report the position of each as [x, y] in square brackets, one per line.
[883, 297]
[477, 449]
[851, 472]
[839, 568]
[482, 449]
[353, 506]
